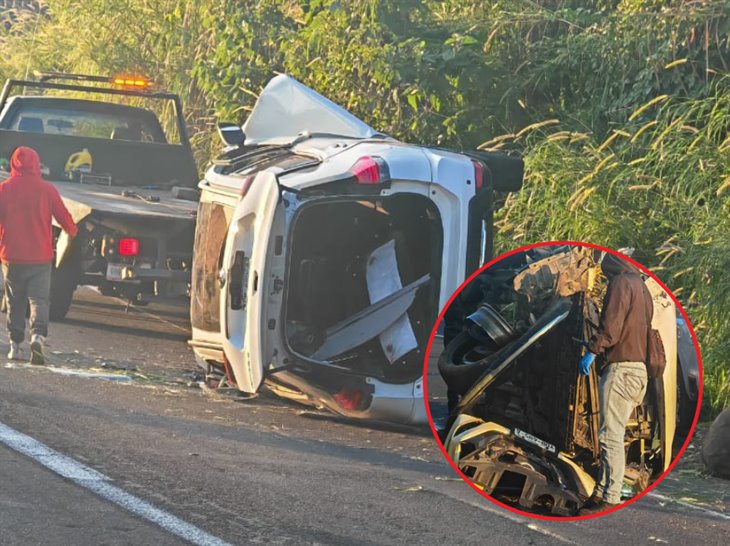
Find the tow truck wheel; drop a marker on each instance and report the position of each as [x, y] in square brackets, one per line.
[63, 283]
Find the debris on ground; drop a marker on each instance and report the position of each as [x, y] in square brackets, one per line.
[411, 489]
[691, 483]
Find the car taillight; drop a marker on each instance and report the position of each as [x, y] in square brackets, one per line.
[349, 399]
[478, 175]
[370, 170]
[128, 247]
[246, 185]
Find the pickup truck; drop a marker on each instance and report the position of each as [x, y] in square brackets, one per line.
[128, 179]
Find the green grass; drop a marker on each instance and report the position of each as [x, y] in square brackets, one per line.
[660, 184]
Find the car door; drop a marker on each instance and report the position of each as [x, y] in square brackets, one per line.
[243, 278]
[665, 321]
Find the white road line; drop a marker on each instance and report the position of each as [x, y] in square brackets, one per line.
[99, 484]
[707, 511]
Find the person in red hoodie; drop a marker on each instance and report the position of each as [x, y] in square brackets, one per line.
[28, 205]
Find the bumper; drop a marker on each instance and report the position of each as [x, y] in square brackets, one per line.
[123, 273]
[388, 402]
[399, 403]
[535, 477]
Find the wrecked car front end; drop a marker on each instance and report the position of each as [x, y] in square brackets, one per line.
[526, 428]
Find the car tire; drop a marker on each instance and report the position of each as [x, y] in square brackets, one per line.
[64, 280]
[459, 377]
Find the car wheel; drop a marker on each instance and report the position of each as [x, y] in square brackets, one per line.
[64, 280]
[464, 359]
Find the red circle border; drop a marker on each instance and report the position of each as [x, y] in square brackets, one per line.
[428, 354]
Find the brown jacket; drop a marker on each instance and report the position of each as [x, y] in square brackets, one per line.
[626, 315]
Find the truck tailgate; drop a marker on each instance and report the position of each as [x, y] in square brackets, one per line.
[83, 199]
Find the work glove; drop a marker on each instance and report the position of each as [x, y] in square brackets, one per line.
[584, 366]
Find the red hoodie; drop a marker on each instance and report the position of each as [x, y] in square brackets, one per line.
[27, 205]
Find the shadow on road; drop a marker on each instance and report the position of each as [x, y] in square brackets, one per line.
[370, 425]
[142, 331]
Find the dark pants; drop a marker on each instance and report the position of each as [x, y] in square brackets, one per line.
[27, 283]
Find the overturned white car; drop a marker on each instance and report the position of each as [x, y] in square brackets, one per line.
[324, 251]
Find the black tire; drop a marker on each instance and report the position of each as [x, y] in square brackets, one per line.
[64, 280]
[460, 376]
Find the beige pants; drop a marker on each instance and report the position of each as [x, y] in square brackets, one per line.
[622, 388]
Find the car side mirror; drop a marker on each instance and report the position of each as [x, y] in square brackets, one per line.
[231, 134]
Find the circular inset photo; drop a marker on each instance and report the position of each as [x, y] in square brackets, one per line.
[563, 380]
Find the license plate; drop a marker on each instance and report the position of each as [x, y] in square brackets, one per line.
[534, 440]
[114, 272]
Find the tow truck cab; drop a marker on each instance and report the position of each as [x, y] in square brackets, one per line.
[126, 173]
[322, 259]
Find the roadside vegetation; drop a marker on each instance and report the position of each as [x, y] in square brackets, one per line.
[621, 108]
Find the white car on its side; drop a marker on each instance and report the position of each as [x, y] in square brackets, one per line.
[324, 251]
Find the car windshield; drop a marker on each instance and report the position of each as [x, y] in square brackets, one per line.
[120, 125]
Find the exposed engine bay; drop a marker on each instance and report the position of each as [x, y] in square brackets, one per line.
[525, 429]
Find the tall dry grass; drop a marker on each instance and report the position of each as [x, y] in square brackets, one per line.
[659, 183]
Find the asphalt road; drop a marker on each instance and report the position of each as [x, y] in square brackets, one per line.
[259, 470]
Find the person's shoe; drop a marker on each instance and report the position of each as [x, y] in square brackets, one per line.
[36, 350]
[600, 506]
[16, 352]
[592, 501]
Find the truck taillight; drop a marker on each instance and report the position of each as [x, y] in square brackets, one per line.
[370, 170]
[478, 175]
[128, 247]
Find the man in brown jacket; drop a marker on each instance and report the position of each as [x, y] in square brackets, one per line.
[622, 339]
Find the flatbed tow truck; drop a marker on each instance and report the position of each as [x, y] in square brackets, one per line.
[128, 180]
